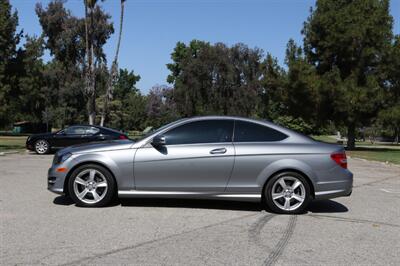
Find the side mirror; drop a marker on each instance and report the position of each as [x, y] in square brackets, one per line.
[159, 141]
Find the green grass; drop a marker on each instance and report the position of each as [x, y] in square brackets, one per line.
[376, 154]
[366, 150]
[324, 138]
[8, 143]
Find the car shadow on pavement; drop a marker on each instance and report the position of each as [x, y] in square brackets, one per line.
[320, 206]
[66, 201]
[63, 200]
[326, 206]
[193, 203]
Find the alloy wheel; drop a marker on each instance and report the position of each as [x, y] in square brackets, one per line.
[90, 186]
[288, 193]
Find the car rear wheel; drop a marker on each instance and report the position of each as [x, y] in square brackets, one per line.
[42, 146]
[287, 193]
[91, 186]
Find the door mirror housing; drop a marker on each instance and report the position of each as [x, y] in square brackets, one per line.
[159, 141]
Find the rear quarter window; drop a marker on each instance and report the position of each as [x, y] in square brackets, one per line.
[252, 132]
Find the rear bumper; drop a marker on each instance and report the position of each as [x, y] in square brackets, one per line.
[340, 186]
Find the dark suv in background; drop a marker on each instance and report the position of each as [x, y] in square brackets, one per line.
[77, 134]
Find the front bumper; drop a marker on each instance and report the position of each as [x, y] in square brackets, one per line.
[56, 180]
[29, 146]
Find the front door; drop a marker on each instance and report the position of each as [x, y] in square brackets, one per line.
[197, 156]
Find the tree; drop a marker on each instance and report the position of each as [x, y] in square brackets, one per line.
[127, 109]
[345, 41]
[301, 95]
[90, 76]
[160, 106]
[273, 87]
[215, 79]
[113, 70]
[32, 95]
[9, 39]
[67, 38]
[389, 116]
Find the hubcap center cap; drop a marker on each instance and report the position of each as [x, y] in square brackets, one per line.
[288, 193]
[91, 186]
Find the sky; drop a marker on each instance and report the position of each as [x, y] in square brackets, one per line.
[153, 27]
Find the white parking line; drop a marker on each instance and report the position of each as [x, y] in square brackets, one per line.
[392, 191]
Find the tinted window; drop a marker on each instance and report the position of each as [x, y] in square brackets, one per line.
[252, 132]
[207, 131]
[75, 130]
[92, 130]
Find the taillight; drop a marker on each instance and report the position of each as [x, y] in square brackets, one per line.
[123, 137]
[340, 158]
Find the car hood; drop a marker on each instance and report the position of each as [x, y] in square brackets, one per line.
[99, 146]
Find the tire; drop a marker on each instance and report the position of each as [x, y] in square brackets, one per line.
[91, 185]
[42, 146]
[287, 200]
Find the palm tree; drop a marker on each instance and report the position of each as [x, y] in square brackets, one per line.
[90, 88]
[113, 70]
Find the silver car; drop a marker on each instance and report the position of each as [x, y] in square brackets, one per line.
[213, 157]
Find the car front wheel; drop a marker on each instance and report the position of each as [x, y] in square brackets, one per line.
[287, 193]
[91, 186]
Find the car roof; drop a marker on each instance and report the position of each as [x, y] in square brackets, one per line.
[289, 132]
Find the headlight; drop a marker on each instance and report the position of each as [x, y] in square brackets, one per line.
[64, 157]
[60, 158]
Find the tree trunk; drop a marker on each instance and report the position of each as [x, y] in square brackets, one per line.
[113, 70]
[351, 136]
[89, 67]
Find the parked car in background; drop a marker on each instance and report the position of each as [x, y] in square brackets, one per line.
[216, 157]
[77, 134]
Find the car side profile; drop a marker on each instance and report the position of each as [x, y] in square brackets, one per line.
[77, 134]
[215, 157]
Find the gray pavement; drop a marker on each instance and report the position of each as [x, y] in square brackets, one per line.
[38, 227]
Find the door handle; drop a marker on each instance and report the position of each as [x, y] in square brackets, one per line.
[218, 151]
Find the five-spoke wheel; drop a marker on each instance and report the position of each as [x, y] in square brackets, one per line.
[287, 192]
[91, 185]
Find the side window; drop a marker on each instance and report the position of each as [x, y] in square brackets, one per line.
[75, 130]
[252, 132]
[92, 130]
[206, 131]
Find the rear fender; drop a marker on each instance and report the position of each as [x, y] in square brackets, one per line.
[287, 165]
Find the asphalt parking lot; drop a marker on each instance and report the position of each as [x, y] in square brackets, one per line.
[38, 227]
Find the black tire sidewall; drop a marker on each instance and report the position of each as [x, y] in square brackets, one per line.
[268, 197]
[111, 190]
[48, 146]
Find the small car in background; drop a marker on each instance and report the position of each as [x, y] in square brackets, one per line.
[77, 134]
